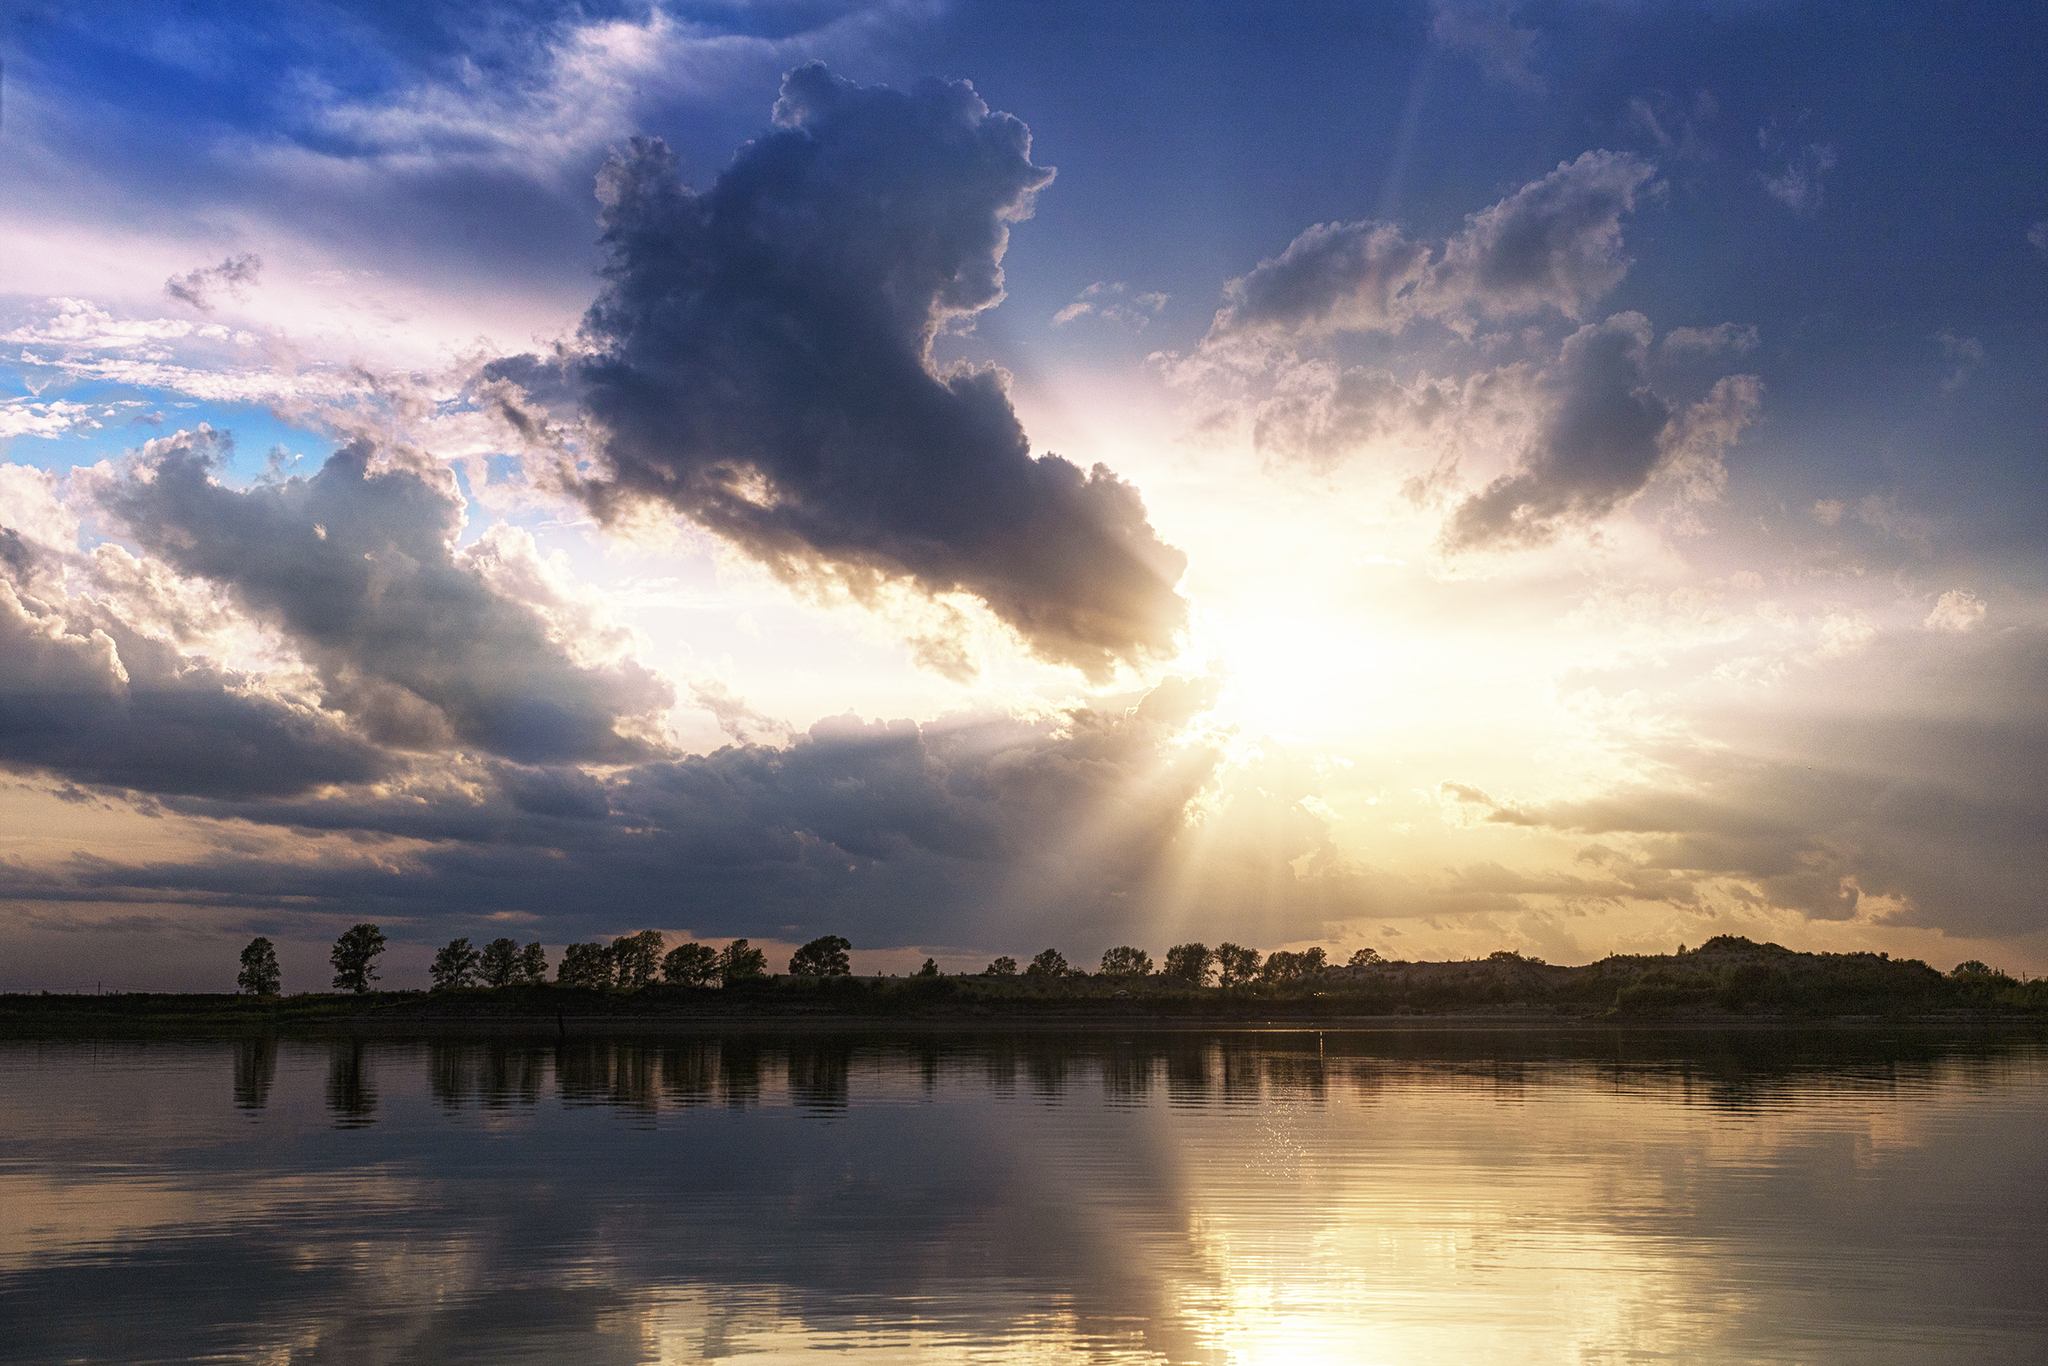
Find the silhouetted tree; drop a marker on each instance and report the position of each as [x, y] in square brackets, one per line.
[585, 965]
[930, 968]
[822, 957]
[353, 958]
[1051, 963]
[1125, 961]
[1236, 964]
[636, 958]
[533, 963]
[499, 966]
[1190, 963]
[1974, 968]
[1294, 967]
[260, 975]
[689, 965]
[1005, 966]
[740, 961]
[454, 966]
[1365, 958]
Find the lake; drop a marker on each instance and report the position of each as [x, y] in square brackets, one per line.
[1425, 1196]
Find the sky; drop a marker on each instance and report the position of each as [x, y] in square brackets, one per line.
[1434, 477]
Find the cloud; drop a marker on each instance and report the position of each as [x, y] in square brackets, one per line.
[1957, 610]
[1606, 433]
[1736, 337]
[1319, 411]
[21, 417]
[1916, 806]
[1112, 302]
[421, 647]
[761, 363]
[1486, 29]
[1798, 186]
[85, 695]
[2037, 235]
[1966, 352]
[198, 287]
[1556, 243]
[970, 830]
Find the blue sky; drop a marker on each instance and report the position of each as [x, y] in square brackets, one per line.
[1579, 462]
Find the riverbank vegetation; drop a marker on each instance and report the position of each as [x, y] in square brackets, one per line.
[632, 979]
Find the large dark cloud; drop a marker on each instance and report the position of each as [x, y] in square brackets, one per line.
[84, 695]
[359, 570]
[975, 831]
[763, 366]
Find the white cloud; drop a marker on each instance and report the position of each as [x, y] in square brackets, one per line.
[1486, 29]
[1957, 610]
[1798, 186]
[2038, 235]
[1113, 303]
[1736, 337]
[1966, 352]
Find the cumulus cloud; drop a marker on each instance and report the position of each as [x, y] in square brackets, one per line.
[202, 287]
[418, 645]
[1112, 302]
[1605, 435]
[1957, 610]
[1555, 243]
[1319, 410]
[761, 362]
[85, 695]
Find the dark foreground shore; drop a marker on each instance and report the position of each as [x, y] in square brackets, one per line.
[1729, 982]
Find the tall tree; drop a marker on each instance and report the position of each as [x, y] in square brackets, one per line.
[533, 963]
[355, 956]
[822, 957]
[1051, 963]
[454, 966]
[1190, 963]
[1365, 958]
[260, 975]
[740, 961]
[585, 965]
[690, 965]
[1123, 961]
[499, 966]
[636, 958]
[1005, 966]
[1236, 964]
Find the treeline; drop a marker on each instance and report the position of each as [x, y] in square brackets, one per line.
[1728, 974]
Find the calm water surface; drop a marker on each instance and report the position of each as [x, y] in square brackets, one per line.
[1112, 1198]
